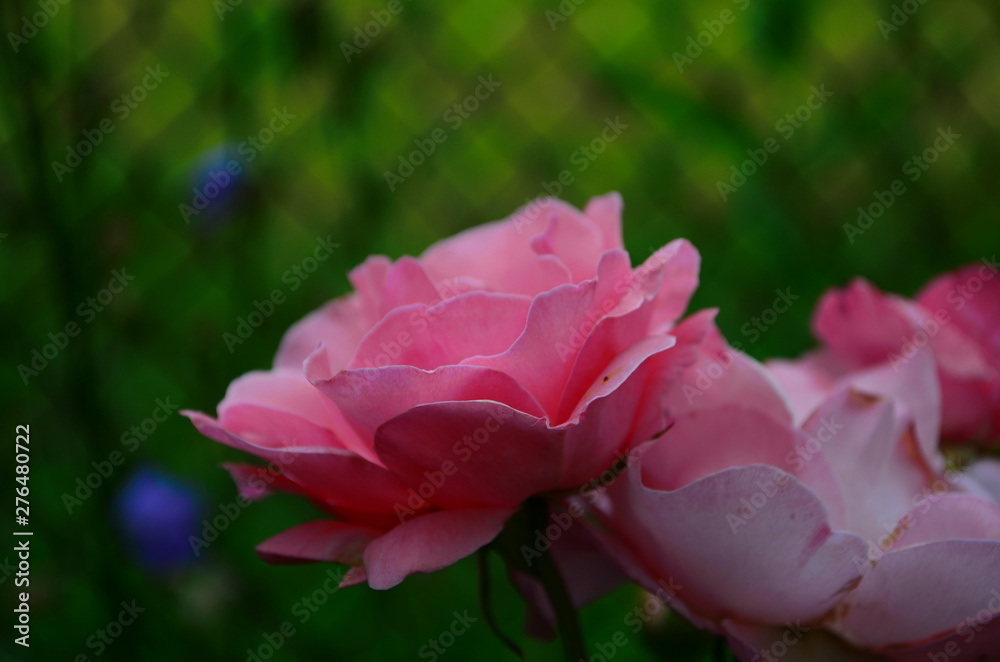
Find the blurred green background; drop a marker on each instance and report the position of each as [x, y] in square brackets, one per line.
[564, 70]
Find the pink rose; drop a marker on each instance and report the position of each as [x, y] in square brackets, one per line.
[970, 389]
[843, 538]
[956, 317]
[517, 358]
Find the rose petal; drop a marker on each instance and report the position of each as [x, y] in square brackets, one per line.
[384, 285]
[924, 592]
[714, 374]
[472, 454]
[281, 408]
[873, 453]
[970, 297]
[679, 263]
[430, 542]
[806, 382]
[981, 310]
[559, 322]
[498, 255]
[368, 279]
[426, 337]
[965, 408]
[986, 472]
[712, 440]
[615, 416]
[771, 563]
[570, 236]
[354, 576]
[340, 323]
[370, 397]
[861, 324]
[606, 211]
[255, 483]
[949, 516]
[603, 341]
[322, 540]
[613, 374]
[913, 384]
[338, 476]
[282, 390]
[271, 428]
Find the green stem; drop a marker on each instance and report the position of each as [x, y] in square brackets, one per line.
[567, 620]
[486, 602]
[521, 532]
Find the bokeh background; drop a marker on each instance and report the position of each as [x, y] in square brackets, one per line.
[564, 70]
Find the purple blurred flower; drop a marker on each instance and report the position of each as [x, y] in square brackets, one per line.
[217, 177]
[157, 514]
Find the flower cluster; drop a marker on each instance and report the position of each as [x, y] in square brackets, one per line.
[807, 506]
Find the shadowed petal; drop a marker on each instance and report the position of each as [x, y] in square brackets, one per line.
[430, 542]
